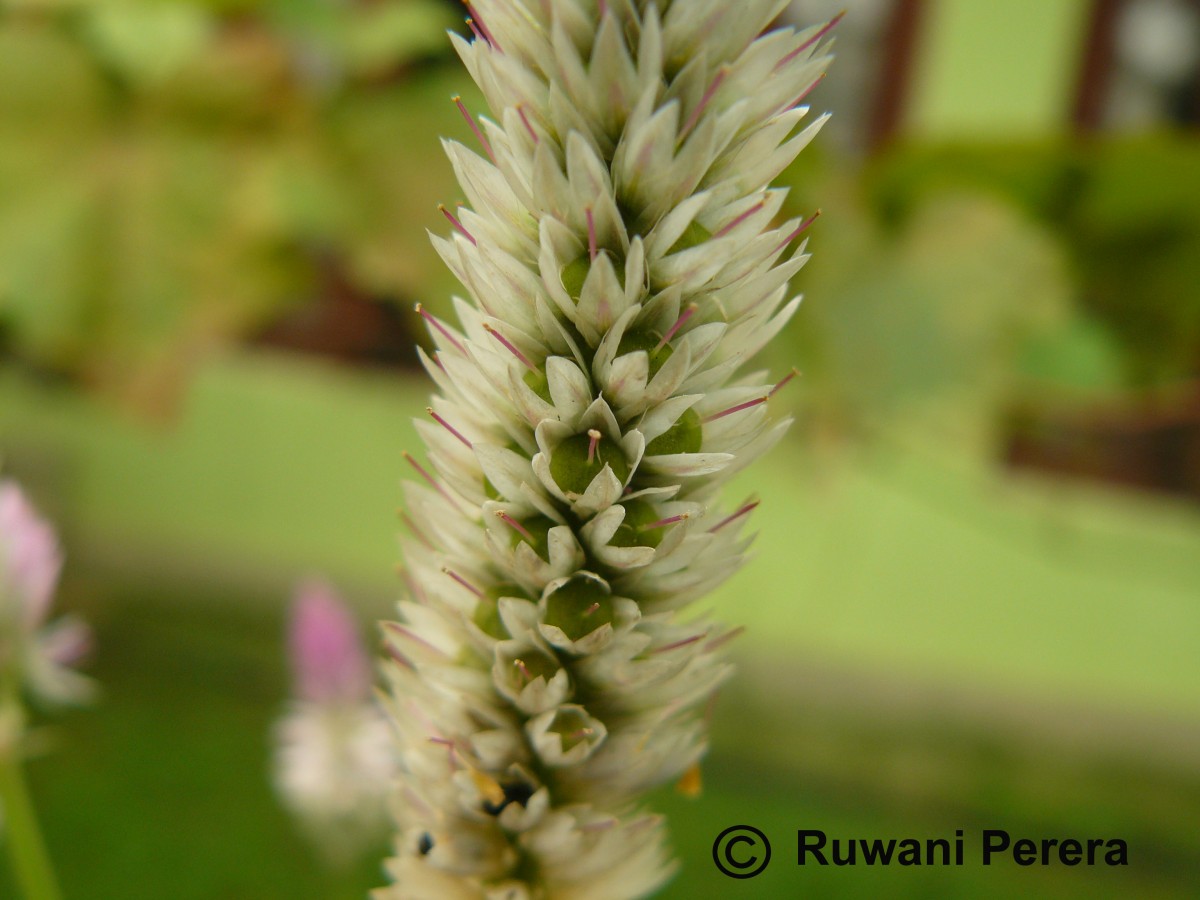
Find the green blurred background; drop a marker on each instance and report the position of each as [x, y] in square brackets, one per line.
[976, 599]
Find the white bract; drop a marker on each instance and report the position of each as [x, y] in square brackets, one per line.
[624, 259]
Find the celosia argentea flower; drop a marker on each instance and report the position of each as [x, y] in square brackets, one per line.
[36, 656]
[624, 262]
[334, 759]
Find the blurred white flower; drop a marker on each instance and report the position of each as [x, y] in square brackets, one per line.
[334, 759]
[36, 655]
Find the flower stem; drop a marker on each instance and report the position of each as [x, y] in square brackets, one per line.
[30, 861]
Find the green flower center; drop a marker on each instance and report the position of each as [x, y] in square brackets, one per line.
[694, 235]
[538, 529]
[581, 457]
[572, 726]
[533, 664]
[682, 437]
[632, 341]
[579, 607]
[538, 383]
[574, 274]
[487, 612]
[632, 531]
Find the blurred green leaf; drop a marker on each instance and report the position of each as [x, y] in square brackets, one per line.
[931, 313]
[46, 274]
[148, 42]
[1083, 356]
[387, 34]
[1127, 212]
[173, 172]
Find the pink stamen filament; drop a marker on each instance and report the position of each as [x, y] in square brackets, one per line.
[828, 27]
[413, 588]
[430, 479]
[725, 638]
[803, 94]
[603, 7]
[519, 665]
[704, 101]
[824, 30]
[450, 428]
[470, 587]
[800, 229]
[591, 609]
[687, 314]
[458, 226]
[746, 509]
[475, 30]
[733, 409]
[602, 825]
[642, 824]
[591, 229]
[482, 25]
[740, 219]
[487, 148]
[528, 127]
[663, 523]
[509, 346]
[683, 643]
[442, 329]
[399, 657]
[411, 796]
[515, 525]
[400, 631]
[412, 526]
[451, 751]
[783, 382]
[593, 442]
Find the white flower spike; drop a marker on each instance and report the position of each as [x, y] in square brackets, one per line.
[624, 260]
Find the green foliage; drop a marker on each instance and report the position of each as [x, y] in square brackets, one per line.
[930, 312]
[173, 172]
[1125, 213]
[951, 284]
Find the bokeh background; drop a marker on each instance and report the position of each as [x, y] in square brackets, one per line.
[976, 600]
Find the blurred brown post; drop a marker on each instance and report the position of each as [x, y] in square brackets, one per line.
[1091, 91]
[895, 76]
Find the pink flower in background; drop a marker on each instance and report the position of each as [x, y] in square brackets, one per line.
[36, 654]
[327, 655]
[29, 555]
[334, 760]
